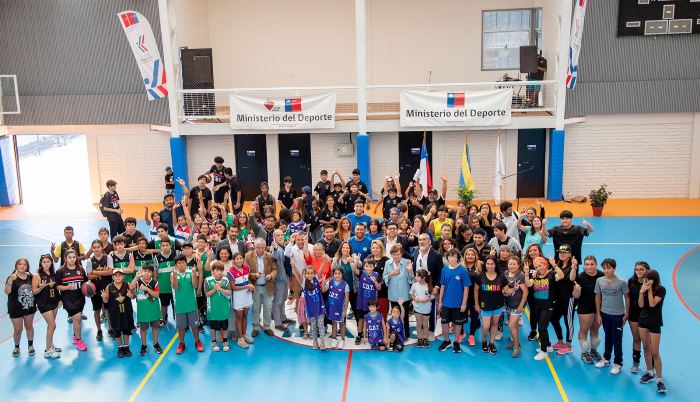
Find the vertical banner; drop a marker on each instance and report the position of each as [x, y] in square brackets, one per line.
[575, 46]
[252, 113]
[143, 44]
[499, 171]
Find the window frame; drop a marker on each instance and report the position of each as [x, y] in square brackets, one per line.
[532, 32]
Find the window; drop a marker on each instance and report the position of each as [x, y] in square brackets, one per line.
[504, 31]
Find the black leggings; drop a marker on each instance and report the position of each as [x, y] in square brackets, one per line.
[406, 305]
[533, 311]
[542, 316]
[564, 308]
[474, 322]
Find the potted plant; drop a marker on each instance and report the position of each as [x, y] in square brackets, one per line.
[466, 194]
[598, 199]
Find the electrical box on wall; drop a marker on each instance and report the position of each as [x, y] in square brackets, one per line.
[344, 149]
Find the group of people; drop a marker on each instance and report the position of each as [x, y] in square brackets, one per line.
[469, 267]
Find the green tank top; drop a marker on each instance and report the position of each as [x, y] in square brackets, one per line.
[218, 304]
[185, 296]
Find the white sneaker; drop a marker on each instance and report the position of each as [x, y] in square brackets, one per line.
[51, 354]
[334, 343]
[215, 347]
[549, 349]
[431, 336]
[602, 363]
[615, 369]
[499, 335]
[341, 344]
[242, 343]
[226, 347]
[541, 355]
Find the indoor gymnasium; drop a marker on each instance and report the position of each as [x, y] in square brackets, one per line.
[349, 200]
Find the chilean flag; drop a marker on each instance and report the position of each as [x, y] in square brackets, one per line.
[129, 19]
[455, 99]
[292, 105]
[425, 179]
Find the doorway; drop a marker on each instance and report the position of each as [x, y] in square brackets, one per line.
[251, 163]
[54, 172]
[531, 157]
[410, 144]
[295, 159]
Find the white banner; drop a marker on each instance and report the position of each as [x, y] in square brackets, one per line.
[294, 113]
[143, 44]
[456, 109]
[575, 45]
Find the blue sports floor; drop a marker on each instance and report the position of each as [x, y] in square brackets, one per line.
[275, 370]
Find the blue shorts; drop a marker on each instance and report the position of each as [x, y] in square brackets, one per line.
[489, 313]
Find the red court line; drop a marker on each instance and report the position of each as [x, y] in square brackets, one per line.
[347, 377]
[10, 337]
[3, 315]
[675, 283]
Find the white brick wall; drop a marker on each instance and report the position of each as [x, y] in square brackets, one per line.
[201, 151]
[447, 159]
[136, 158]
[384, 158]
[637, 156]
[323, 154]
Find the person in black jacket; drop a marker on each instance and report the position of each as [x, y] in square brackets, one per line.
[392, 237]
[426, 258]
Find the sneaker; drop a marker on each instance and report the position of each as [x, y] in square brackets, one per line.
[254, 333]
[281, 327]
[492, 349]
[99, 337]
[31, 351]
[162, 323]
[358, 339]
[225, 346]
[56, 348]
[51, 354]
[143, 351]
[456, 347]
[269, 332]
[647, 377]
[103, 316]
[431, 336]
[509, 345]
[199, 346]
[390, 348]
[180, 348]
[499, 335]
[215, 347]
[564, 349]
[532, 336]
[586, 357]
[248, 340]
[70, 320]
[635, 368]
[157, 348]
[516, 353]
[127, 351]
[484, 347]
[341, 344]
[471, 340]
[602, 363]
[15, 352]
[541, 355]
[83, 317]
[288, 321]
[558, 345]
[444, 346]
[201, 329]
[334, 343]
[660, 387]
[549, 349]
[615, 369]
[120, 352]
[242, 343]
[595, 355]
[79, 344]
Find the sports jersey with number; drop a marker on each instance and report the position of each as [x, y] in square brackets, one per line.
[218, 304]
[165, 268]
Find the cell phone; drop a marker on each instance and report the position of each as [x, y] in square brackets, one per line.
[644, 280]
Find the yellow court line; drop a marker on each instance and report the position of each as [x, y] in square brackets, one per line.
[555, 376]
[153, 369]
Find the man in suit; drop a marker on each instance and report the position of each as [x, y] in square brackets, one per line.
[426, 258]
[263, 273]
[392, 237]
[231, 241]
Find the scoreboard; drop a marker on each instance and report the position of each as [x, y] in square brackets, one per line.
[658, 17]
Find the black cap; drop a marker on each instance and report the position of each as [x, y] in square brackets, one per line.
[187, 244]
[356, 171]
[564, 248]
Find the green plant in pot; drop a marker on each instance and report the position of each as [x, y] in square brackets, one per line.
[598, 199]
[466, 194]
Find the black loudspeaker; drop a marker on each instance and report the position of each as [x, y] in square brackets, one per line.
[528, 59]
[197, 73]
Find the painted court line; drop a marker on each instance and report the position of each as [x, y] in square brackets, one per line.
[555, 376]
[10, 337]
[347, 377]
[675, 283]
[153, 369]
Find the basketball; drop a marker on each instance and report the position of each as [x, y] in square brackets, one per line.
[208, 176]
[88, 289]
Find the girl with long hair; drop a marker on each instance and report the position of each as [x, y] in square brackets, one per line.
[47, 300]
[20, 304]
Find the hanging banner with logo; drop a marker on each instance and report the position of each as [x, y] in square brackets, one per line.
[294, 113]
[143, 44]
[575, 45]
[456, 109]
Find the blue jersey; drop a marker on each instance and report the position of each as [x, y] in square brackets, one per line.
[367, 290]
[454, 280]
[336, 299]
[361, 247]
[375, 330]
[397, 327]
[313, 300]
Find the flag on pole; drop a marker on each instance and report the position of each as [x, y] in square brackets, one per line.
[465, 176]
[425, 179]
[575, 44]
[499, 171]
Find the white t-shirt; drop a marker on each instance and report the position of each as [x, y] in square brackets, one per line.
[421, 292]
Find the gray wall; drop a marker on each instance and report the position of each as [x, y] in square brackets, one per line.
[629, 75]
[74, 64]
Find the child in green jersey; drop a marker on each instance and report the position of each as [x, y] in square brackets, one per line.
[147, 306]
[184, 281]
[218, 292]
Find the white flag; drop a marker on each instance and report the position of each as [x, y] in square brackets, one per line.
[499, 172]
